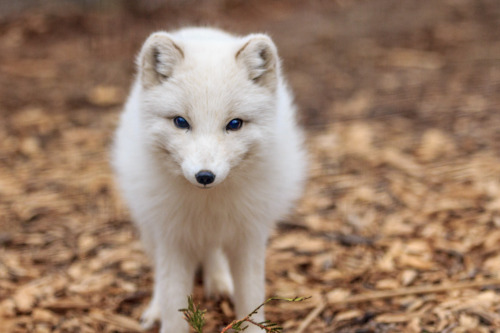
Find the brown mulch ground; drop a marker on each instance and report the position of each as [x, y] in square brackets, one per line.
[398, 231]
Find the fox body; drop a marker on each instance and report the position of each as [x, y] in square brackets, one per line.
[208, 156]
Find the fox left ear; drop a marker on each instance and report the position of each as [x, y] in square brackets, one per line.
[158, 58]
[260, 58]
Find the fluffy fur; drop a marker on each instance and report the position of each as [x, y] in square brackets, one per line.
[209, 78]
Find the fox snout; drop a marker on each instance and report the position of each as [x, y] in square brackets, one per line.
[205, 162]
[205, 174]
[205, 177]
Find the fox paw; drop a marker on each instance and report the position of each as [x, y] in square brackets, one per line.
[151, 315]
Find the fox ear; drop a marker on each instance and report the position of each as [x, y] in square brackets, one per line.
[158, 58]
[260, 58]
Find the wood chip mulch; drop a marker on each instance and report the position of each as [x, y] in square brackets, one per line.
[398, 230]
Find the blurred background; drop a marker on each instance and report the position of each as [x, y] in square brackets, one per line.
[400, 103]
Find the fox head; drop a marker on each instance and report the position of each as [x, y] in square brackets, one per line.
[208, 107]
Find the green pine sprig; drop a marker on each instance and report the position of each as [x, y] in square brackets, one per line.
[196, 317]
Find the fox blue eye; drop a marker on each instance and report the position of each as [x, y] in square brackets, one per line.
[181, 122]
[234, 125]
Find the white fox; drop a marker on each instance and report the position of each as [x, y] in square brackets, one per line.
[208, 156]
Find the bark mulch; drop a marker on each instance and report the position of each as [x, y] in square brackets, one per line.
[398, 230]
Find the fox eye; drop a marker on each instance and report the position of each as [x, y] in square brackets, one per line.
[181, 123]
[234, 124]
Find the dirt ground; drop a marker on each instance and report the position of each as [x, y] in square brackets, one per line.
[398, 231]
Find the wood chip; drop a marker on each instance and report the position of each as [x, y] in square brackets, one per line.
[118, 320]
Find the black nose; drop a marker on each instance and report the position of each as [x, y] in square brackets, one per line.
[205, 177]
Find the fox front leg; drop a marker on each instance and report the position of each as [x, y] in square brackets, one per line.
[173, 284]
[247, 261]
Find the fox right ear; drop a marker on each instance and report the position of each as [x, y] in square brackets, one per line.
[158, 58]
[260, 59]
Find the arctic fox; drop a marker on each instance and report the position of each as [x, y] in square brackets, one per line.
[208, 156]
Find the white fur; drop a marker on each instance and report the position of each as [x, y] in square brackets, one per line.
[208, 77]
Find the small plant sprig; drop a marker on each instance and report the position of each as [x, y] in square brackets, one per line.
[268, 326]
[196, 320]
[194, 316]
